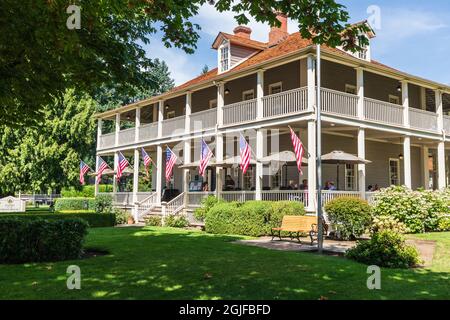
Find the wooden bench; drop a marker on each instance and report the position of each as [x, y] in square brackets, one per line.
[297, 225]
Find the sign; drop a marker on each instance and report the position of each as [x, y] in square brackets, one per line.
[11, 204]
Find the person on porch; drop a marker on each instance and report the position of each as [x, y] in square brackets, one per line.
[304, 185]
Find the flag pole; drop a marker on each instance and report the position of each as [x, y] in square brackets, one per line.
[319, 152]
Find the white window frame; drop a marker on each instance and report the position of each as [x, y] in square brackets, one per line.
[244, 93]
[170, 114]
[212, 103]
[394, 97]
[398, 171]
[350, 87]
[353, 177]
[224, 46]
[274, 85]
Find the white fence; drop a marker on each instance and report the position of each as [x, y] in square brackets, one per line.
[286, 195]
[384, 112]
[239, 112]
[147, 204]
[340, 103]
[203, 120]
[421, 119]
[175, 205]
[195, 198]
[107, 141]
[284, 103]
[173, 126]
[127, 136]
[148, 131]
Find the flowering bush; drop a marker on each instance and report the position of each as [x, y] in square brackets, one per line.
[444, 224]
[383, 223]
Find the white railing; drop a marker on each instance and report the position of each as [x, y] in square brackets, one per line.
[123, 198]
[148, 131]
[381, 111]
[203, 120]
[195, 198]
[175, 205]
[243, 111]
[126, 136]
[340, 103]
[107, 140]
[239, 196]
[421, 119]
[286, 195]
[147, 204]
[173, 126]
[284, 103]
[327, 196]
[447, 124]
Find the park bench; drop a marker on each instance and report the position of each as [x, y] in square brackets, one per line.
[298, 225]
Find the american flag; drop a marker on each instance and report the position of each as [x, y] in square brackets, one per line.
[205, 156]
[171, 159]
[102, 166]
[84, 168]
[123, 163]
[298, 148]
[147, 160]
[245, 154]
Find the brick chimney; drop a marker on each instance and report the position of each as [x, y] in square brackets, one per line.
[278, 34]
[243, 32]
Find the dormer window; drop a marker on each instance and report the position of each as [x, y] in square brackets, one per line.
[224, 56]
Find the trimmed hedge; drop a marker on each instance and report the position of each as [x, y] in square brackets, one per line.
[37, 240]
[252, 218]
[62, 204]
[85, 191]
[94, 220]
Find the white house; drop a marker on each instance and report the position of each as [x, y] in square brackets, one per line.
[396, 120]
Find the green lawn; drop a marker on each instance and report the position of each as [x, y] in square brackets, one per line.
[164, 263]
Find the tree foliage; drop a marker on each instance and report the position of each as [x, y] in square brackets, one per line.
[40, 58]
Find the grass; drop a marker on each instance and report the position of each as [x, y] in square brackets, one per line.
[165, 263]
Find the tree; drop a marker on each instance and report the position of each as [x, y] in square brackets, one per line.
[40, 58]
[205, 69]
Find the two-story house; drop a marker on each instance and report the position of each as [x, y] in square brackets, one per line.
[396, 120]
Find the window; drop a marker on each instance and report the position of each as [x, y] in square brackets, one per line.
[394, 99]
[394, 172]
[275, 88]
[213, 104]
[350, 180]
[248, 95]
[170, 115]
[276, 180]
[224, 59]
[349, 88]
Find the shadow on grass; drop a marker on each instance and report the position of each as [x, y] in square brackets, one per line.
[161, 263]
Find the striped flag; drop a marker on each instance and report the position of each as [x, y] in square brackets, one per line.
[171, 159]
[205, 156]
[245, 154]
[147, 160]
[102, 166]
[123, 163]
[298, 149]
[84, 168]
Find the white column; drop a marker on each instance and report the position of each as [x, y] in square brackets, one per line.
[362, 167]
[439, 110]
[187, 145]
[219, 157]
[312, 186]
[160, 117]
[220, 102]
[407, 161]
[259, 165]
[405, 103]
[159, 172]
[96, 170]
[99, 131]
[259, 94]
[155, 112]
[137, 126]
[117, 129]
[136, 183]
[311, 81]
[423, 98]
[116, 157]
[441, 166]
[425, 168]
[360, 92]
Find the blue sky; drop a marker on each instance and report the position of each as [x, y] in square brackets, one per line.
[414, 37]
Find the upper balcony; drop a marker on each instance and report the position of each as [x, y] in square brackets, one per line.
[282, 93]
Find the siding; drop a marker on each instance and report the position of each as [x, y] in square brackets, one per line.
[239, 54]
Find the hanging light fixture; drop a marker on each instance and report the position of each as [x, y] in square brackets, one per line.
[399, 88]
[227, 91]
[400, 156]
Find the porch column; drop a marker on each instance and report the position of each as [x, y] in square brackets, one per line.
[219, 158]
[425, 168]
[116, 160]
[360, 92]
[439, 110]
[259, 165]
[137, 126]
[99, 131]
[136, 183]
[117, 129]
[259, 94]
[407, 161]
[96, 170]
[159, 172]
[160, 117]
[220, 102]
[311, 80]
[187, 145]
[441, 165]
[155, 112]
[405, 103]
[312, 185]
[362, 167]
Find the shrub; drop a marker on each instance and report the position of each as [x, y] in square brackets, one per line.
[63, 204]
[385, 249]
[94, 220]
[104, 203]
[176, 221]
[390, 223]
[349, 216]
[154, 221]
[23, 240]
[85, 191]
[205, 206]
[444, 224]
[122, 216]
[285, 208]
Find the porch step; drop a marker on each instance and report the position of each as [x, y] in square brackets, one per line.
[156, 211]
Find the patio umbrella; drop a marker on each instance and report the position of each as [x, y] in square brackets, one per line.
[341, 157]
[107, 172]
[232, 162]
[212, 163]
[283, 157]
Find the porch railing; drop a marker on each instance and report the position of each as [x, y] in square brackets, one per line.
[421, 119]
[239, 196]
[327, 196]
[340, 103]
[175, 205]
[384, 112]
[285, 195]
[127, 136]
[148, 131]
[147, 204]
[203, 120]
[447, 124]
[173, 126]
[195, 198]
[243, 111]
[107, 140]
[284, 103]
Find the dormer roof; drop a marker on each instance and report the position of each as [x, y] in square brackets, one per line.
[241, 41]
